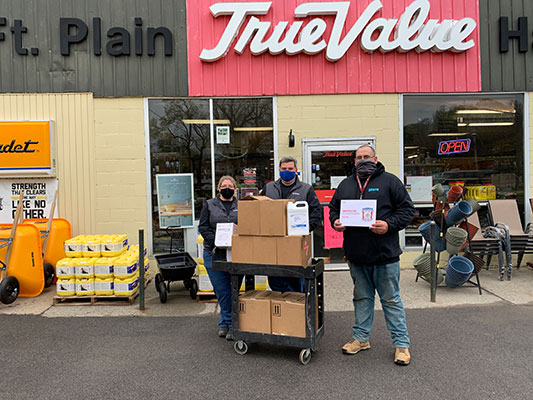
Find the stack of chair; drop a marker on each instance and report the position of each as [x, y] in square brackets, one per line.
[506, 217]
[487, 242]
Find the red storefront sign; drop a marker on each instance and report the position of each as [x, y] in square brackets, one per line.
[357, 46]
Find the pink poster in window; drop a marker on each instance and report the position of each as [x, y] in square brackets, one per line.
[332, 238]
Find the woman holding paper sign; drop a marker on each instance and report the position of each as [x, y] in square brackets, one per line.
[373, 249]
[222, 208]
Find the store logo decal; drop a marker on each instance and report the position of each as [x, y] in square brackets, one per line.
[410, 32]
[17, 148]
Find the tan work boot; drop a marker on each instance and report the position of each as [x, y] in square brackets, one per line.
[354, 346]
[402, 355]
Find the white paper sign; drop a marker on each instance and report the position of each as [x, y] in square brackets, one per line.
[419, 188]
[224, 234]
[358, 212]
[222, 134]
[38, 197]
[335, 181]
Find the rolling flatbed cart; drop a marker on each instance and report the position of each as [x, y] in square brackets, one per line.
[314, 298]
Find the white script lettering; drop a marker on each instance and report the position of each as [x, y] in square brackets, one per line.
[412, 31]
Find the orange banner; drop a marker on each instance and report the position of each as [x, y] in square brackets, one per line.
[25, 145]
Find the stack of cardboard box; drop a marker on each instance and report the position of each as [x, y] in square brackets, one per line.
[262, 237]
[272, 312]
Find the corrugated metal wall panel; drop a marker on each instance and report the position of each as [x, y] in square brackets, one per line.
[356, 72]
[74, 139]
[82, 71]
[511, 71]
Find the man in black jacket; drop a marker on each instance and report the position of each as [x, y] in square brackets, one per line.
[374, 253]
[290, 187]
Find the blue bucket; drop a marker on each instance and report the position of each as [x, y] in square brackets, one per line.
[458, 212]
[425, 229]
[458, 271]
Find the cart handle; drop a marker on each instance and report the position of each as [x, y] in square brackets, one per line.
[171, 228]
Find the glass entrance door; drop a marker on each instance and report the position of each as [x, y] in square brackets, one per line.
[326, 163]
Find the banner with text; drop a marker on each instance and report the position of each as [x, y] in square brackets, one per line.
[38, 197]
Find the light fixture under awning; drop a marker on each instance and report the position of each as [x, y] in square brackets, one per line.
[253, 129]
[205, 121]
[449, 134]
[485, 123]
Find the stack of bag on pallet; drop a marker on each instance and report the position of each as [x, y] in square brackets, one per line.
[273, 312]
[272, 232]
[101, 265]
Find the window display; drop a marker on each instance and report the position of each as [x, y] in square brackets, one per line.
[475, 141]
[180, 143]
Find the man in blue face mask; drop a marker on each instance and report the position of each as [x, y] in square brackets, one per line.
[290, 187]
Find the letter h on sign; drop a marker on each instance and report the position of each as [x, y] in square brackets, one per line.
[506, 34]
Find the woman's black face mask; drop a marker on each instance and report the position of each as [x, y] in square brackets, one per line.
[227, 193]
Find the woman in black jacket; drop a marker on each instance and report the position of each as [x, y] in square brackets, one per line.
[222, 208]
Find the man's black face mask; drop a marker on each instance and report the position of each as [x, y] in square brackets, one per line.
[365, 168]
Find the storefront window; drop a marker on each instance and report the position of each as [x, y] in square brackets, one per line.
[476, 141]
[180, 142]
[248, 153]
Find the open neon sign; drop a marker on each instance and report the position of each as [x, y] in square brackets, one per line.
[454, 146]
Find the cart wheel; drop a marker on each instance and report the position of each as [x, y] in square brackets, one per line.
[9, 290]
[240, 347]
[158, 280]
[49, 274]
[305, 356]
[162, 292]
[193, 289]
[187, 283]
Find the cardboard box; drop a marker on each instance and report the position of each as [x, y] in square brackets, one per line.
[288, 315]
[224, 233]
[242, 250]
[250, 214]
[265, 251]
[294, 250]
[254, 311]
[254, 249]
[262, 216]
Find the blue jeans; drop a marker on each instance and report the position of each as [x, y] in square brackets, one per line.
[221, 282]
[280, 284]
[385, 279]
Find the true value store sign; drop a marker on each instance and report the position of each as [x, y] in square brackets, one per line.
[358, 46]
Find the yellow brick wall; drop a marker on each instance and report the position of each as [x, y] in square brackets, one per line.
[73, 118]
[120, 167]
[360, 115]
[350, 116]
[101, 163]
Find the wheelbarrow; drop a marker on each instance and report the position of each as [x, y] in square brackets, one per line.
[54, 232]
[9, 284]
[175, 266]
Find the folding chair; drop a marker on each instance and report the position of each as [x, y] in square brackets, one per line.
[504, 215]
[487, 243]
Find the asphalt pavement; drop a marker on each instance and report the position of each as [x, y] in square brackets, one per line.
[464, 345]
[475, 352]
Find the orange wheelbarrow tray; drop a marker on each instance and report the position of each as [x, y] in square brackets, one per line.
[53, 237]
[25, 262]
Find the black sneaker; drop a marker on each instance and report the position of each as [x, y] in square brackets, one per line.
[229, 335]
[222, 331]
